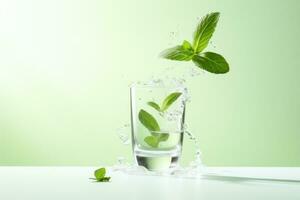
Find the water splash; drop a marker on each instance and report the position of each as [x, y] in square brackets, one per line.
[197, 162]
[194, 170]
[124, 134]
[177, 83]
[193, 72]
[212, 44]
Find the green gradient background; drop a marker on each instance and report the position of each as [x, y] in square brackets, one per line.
[66, 65]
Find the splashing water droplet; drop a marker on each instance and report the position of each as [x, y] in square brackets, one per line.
[212, 44]
[121, 160]
[197, 162]
[124, 134]
[194, 72]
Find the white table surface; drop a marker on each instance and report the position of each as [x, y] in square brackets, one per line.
[64, 183]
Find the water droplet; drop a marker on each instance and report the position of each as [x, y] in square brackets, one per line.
[194, 72]
[124, 134]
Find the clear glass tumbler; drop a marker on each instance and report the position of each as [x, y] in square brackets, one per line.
[157, 118]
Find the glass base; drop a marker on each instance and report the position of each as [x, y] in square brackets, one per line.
[157, 162]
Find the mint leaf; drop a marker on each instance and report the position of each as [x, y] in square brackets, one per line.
[104, 179]
[211, 62]
[169, 100]
[151, 124]
[148, 121]
[178, 53]
[154, 105]
[152, 141]
[204, 31]
[100, 175]
[163, 137]
[186, 45]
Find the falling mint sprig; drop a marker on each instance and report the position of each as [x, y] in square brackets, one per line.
[100, 175]
[209, 61]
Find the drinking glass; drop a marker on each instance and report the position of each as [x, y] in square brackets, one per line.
[157, 122]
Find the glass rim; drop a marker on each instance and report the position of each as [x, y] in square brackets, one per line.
[157, 86]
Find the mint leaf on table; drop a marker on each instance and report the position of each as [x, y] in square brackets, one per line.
[169, 100]
[209, 61]
[100, 175]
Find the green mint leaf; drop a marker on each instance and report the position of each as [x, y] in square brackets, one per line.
[100, 173]
[169, 100]
[154, 105]
[186, 45]
[148, 121]
[163, 137]
[152, 141]
[178, 53]
[211, 62]
[104, 179]
[204, 31]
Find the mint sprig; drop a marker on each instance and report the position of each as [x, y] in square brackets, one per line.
[100, 175]
[150, 122]
[209, 61]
